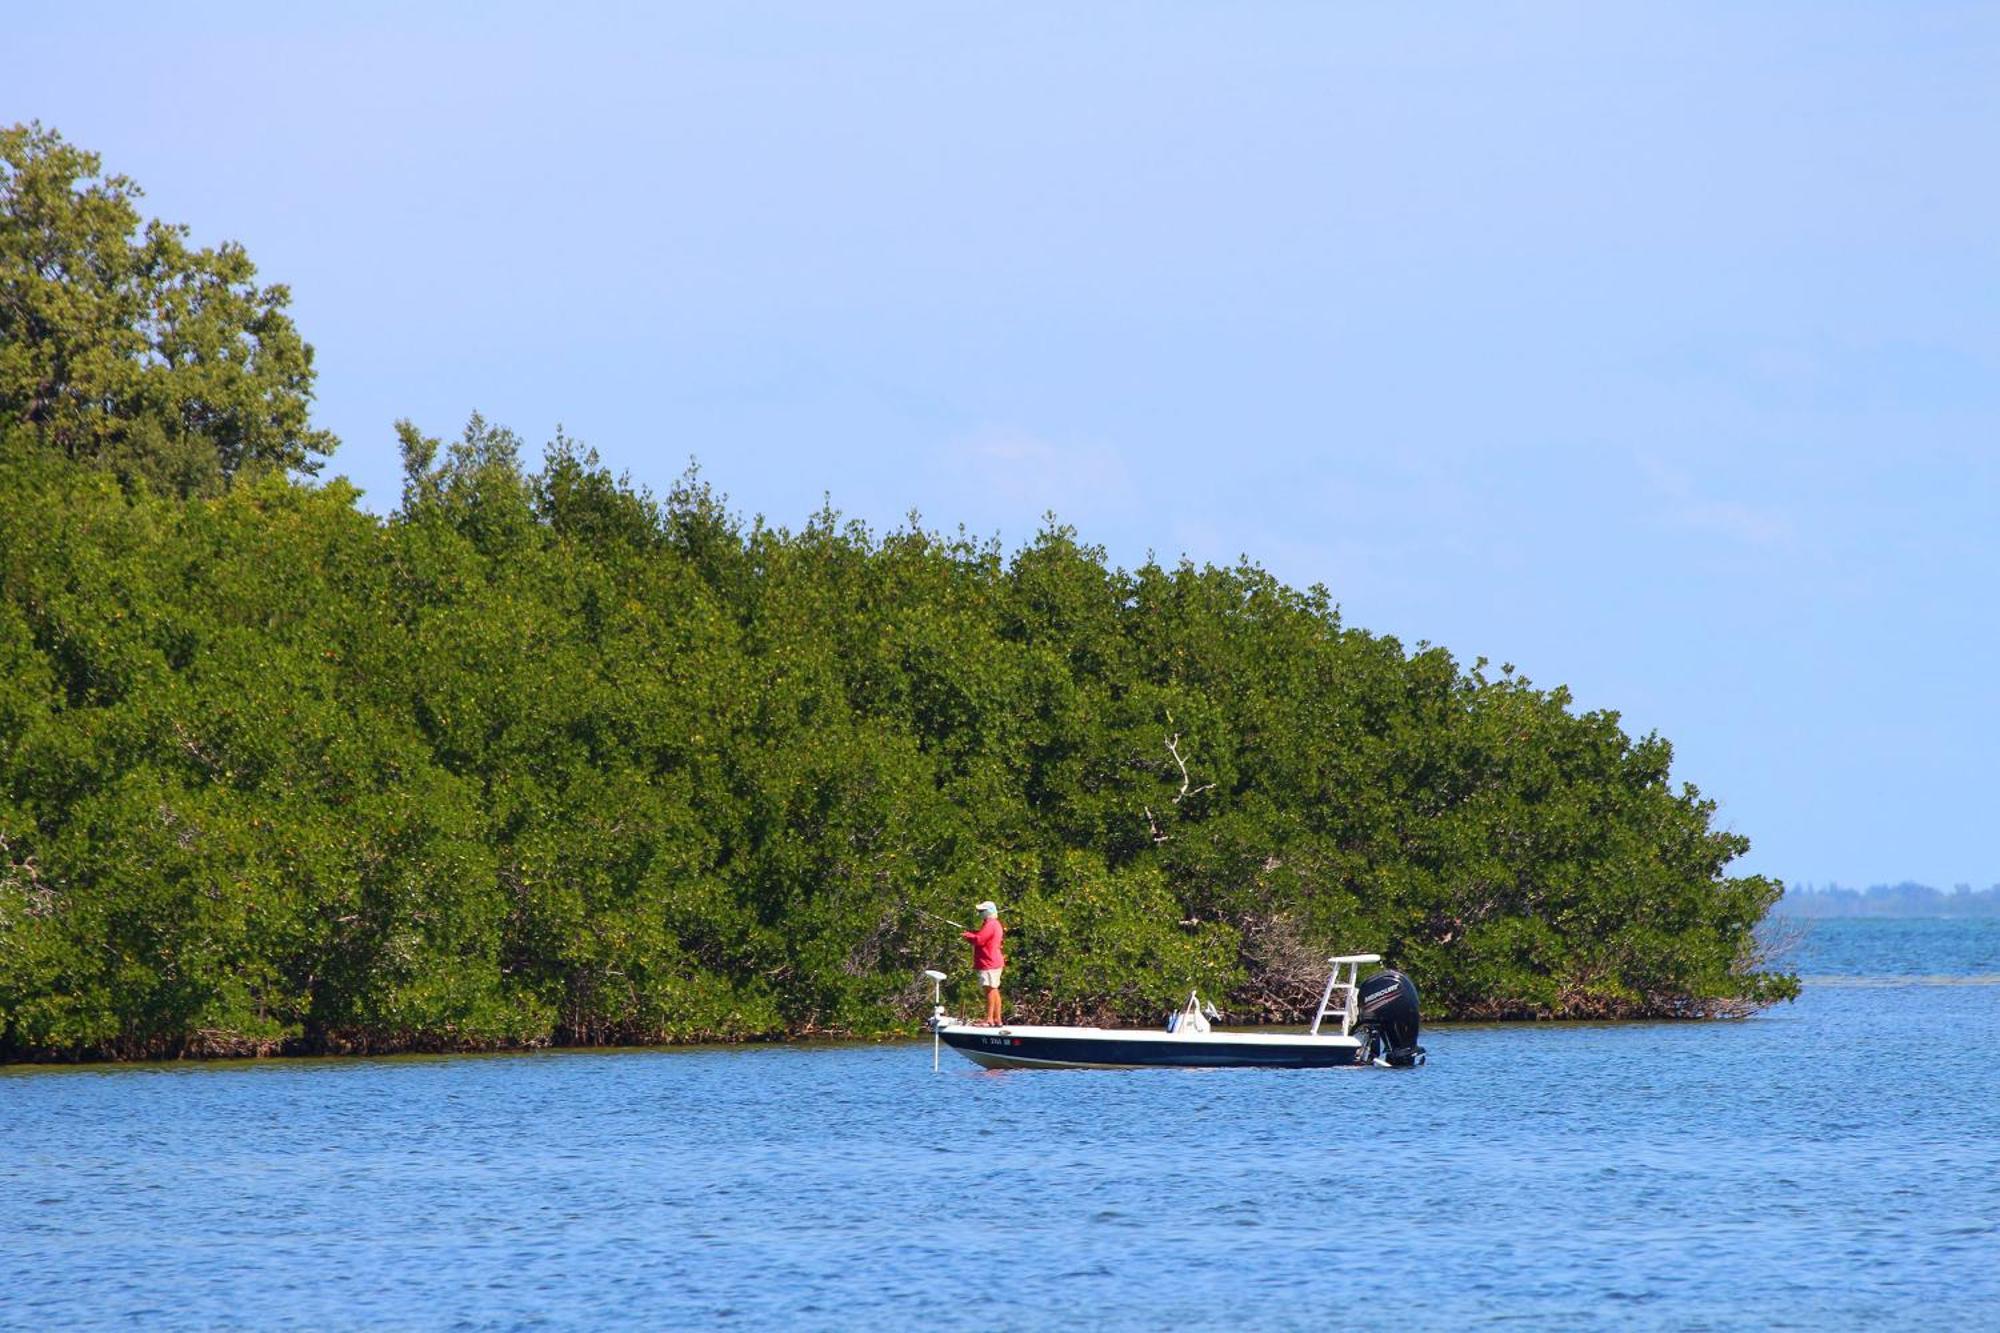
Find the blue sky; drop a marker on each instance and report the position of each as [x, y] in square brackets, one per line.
[1652, 349]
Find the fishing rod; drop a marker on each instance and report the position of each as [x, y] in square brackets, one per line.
[935, 917]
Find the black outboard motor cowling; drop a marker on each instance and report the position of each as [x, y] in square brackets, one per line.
[1388, 1005]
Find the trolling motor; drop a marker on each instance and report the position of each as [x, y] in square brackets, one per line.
[938, 1020]
[1388, 1005]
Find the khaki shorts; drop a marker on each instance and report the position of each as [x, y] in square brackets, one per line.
[989, 977]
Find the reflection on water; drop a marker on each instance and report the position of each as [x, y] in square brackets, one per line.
[1831, 1163]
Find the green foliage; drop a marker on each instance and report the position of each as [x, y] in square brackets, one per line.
[124, 348]
[541, 758]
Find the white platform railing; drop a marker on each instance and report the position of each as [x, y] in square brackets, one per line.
[1347, 987]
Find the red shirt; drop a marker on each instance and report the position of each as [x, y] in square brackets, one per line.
[986, 944]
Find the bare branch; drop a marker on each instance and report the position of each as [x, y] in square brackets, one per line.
[1187, 785]
[1174, 749]
[25, 877]
[193, 747]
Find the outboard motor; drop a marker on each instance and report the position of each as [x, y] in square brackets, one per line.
[1388, 1005]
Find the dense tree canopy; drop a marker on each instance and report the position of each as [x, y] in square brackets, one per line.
[124, 348]
[541, 757]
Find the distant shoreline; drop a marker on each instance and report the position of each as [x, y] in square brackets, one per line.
[1909, 900]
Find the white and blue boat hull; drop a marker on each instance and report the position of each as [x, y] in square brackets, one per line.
[1038, 1047]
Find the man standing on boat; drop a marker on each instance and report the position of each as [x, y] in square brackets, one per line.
[987, 960]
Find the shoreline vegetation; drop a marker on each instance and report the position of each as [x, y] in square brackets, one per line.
[541, 759]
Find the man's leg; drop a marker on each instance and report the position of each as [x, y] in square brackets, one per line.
[993, 1006]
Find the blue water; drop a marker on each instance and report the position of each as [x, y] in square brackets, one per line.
[1833, 1163]
[1860, 950]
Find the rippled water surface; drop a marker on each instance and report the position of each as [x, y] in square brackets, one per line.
[1832, 1163]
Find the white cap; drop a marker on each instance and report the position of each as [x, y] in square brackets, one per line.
[990, 908]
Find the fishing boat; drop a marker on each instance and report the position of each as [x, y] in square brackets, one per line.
[1377, 1022]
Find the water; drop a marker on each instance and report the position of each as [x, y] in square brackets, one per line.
[1831, 1163]
[1864, 951]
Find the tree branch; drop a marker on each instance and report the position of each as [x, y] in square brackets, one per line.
[1174, 749]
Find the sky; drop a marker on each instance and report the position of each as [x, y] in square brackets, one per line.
[1654, 349]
